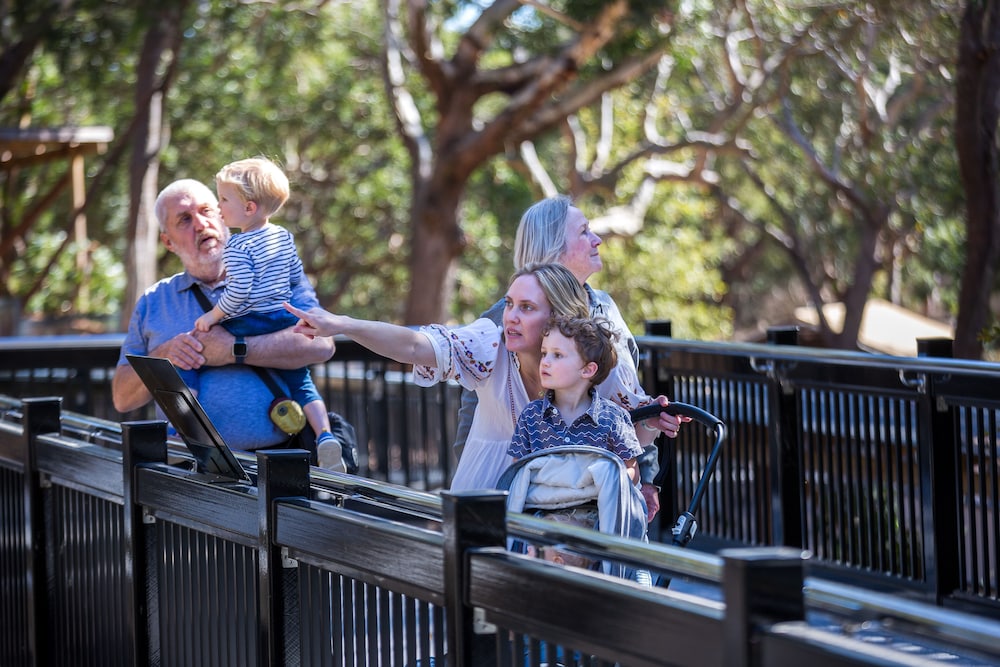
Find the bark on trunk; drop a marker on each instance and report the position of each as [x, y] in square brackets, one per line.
[143, 230]
[436, 244]
[857, 295]
[977, 110]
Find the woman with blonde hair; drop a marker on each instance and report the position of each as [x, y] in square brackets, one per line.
[500, 363]
[553, 230]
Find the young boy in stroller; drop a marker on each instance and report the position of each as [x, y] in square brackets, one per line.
[575, 451]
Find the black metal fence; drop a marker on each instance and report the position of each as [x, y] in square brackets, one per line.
[125, 556]
[884, 468]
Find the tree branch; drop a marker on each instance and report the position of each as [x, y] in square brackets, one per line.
[829, 176]
[788, 238]
[405, 110]
[573, 24]
[480, 34]
[537, 169]
[548, 115]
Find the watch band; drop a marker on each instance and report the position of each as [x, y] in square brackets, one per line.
[240, 349]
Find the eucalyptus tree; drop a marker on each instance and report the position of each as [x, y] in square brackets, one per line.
[155, 71]
[513, 72]
[820, 132]
[844, 114]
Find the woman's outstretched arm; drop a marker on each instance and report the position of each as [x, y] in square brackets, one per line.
[398, 343]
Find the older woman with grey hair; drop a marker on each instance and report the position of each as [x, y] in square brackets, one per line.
[554, 230]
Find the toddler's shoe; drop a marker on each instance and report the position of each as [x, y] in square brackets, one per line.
[328, 452]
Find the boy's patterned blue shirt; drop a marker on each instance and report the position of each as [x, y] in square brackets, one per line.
[605, 425]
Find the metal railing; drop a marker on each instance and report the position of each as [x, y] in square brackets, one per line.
[113, 556]
[884, 468]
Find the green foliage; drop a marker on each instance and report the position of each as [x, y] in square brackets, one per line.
[493, 205]
[890, 147]
[990, 338]
[307, 90]
[302, 83]
[63, 282]
[85, 64]
[670, 271]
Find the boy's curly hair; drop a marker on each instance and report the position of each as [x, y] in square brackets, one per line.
[595, 339]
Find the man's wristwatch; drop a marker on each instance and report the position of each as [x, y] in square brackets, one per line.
[240, 349]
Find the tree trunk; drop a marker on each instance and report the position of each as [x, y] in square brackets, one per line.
[436, 244]
[865, 266]
[539, 93]
[977, 110]
[159, 47]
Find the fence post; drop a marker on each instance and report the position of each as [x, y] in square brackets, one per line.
[280, 474]
[939, 472]
[471, 520]
[786, 509]
[659, 328]
[41, 415]
[142, 442]
[761, 586]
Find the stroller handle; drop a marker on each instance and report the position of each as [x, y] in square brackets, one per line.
[673, 408]
[686, 524]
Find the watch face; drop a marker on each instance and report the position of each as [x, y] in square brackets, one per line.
[239, 349]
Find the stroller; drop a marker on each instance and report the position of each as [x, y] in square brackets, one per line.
[578, 479]
[562, 478]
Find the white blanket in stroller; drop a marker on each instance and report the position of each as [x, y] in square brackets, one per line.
[562, 477]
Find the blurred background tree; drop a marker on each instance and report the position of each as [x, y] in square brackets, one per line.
[740, 158]
[846, 116]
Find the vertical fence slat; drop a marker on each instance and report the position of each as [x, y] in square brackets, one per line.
[280, 474]
[142, 442]
[786, 505]
[40, 416]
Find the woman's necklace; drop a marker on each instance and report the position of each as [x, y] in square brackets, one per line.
[516, 368]
[510, 386]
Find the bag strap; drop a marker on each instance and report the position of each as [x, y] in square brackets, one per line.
[264, 374]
